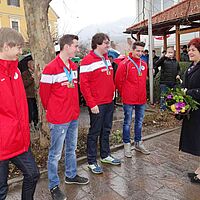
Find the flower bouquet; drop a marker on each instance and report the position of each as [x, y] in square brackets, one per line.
[179, 103]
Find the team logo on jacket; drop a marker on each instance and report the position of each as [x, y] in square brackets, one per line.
[16, 76]
[143, 67]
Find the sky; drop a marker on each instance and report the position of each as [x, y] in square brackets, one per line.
[77, 14]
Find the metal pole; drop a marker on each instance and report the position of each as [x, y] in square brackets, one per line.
[150, 2]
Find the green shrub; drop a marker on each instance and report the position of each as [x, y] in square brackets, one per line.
[183, 66]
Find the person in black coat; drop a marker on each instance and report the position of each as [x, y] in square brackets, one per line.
[190, 132]
[155, 59]
[170, 70]
[184, 54]
[26, 66]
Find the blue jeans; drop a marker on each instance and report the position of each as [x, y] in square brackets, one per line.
[139, 116]
[26, 163]
[100, 126]
[60, 134]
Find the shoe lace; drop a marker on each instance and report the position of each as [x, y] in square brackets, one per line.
[54, 188]
[97, 166]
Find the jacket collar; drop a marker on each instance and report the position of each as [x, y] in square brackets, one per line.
[191, 69]
[96, 56]
[8, 66]
[134, 58]
[61, 63]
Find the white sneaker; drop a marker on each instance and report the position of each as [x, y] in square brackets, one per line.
[111, 160]
[139, 146]
[127, 150]
[95, 168]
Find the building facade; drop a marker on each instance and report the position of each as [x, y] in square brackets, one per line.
[12, 15]
[157, 6]
[142, 8]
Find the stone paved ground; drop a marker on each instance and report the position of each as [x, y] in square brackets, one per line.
[162, 175]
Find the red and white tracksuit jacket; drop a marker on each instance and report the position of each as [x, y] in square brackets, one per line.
[60, 102]
[97, 86]
[14, 123]
[130, 85]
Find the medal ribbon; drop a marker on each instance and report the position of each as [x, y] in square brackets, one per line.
[139, 68]
[105, 62]
[69, 74]
[103, 59]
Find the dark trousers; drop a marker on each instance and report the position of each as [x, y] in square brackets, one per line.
[26, 163]
[33, 110]
[100, 126]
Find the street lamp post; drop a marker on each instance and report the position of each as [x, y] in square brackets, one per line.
[150, 2]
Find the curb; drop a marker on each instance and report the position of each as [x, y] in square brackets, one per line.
[80, 160]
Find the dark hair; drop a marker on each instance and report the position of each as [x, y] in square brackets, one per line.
[146, 51]
[184, 47]
[195, 42]
[154, 51]
[138, 43]
[170, 47]
[67, 39]
[98, 39]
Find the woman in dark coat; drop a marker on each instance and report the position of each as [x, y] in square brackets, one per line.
[190, 133]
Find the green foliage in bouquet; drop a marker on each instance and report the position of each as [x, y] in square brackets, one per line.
[178, 102]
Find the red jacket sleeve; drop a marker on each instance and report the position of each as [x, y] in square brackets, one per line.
[120, 76]
[45, 86]
[85, 87]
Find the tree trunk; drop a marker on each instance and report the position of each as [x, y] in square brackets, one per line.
[42, 49]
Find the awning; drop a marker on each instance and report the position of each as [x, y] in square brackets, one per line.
[185, 13]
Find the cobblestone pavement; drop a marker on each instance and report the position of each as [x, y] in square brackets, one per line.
[162, 175]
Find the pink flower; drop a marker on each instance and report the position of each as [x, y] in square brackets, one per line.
[170, 96]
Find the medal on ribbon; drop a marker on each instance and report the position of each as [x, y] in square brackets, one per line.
[69, 75]
[107, 68]
[70, 85]
[139, 68]
[108, 72]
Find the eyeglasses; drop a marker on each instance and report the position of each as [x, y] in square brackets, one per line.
[106, 42]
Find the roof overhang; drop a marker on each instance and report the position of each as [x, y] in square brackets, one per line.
[186, 13]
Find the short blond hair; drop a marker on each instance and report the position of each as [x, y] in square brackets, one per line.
[11, 37]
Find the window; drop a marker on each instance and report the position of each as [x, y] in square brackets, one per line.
[167, 4]
[156, 6]
[14, 23]
[14, 3]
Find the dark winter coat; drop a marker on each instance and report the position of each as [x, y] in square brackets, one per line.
[190, 133]
[29, 84]
[185, 56]
[169, 70]
[155, 59]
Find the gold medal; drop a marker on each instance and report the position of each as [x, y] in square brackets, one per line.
[70, 85]
[108, 72]
[139, 73]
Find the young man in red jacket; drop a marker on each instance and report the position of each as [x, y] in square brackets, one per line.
[14, 126]
[97, 87]
[131, 83]
[59, 96]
